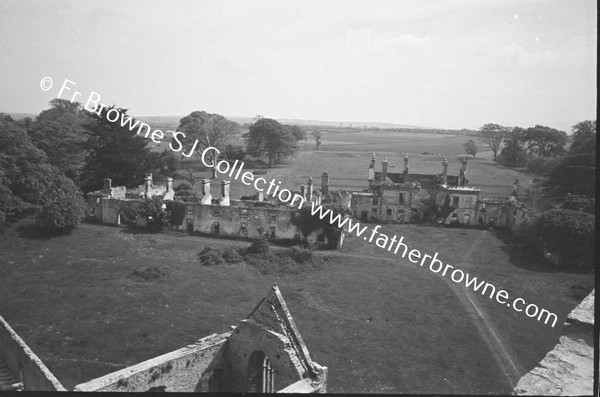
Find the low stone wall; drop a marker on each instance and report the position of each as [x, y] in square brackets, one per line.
[177, 371]
[567, 370]
[23, 362]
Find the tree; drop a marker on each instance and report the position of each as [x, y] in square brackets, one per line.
[63, 146]
[544, 141]
[24, 168]
[470, 148]
[208, 129]
[117, 153]
[317, 136]
[492, 135]
[268, 136]
[576, 172]
[63, 206]
[233, 153]
[513, 154]
[570, 233]
[584, 137]
[298, 133]
[67, 113]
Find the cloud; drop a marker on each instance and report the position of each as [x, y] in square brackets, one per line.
[519, 54]
[364, 38]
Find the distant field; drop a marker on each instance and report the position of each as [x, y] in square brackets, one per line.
[346, 155]
[380, 326]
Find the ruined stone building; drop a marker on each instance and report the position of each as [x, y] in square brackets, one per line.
[209, 215]
[389, 198]
[263, 353]
[411, 198]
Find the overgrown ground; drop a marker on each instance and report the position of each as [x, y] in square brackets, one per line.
[103, 298]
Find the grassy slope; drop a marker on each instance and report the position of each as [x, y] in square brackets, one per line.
[379, 326]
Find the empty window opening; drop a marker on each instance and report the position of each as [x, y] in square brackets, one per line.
[260, 374]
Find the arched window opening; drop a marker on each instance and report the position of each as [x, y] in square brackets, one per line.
[260, 374]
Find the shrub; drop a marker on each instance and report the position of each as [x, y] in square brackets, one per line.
[210, 257]
[231, 255]
[147, 274]
[542, 165]
[259, 246]
[152, 210]
[63, 206]
[569, 233]
[184, 189]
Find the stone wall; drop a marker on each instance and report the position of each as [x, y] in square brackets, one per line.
[568, 369]
[245, 222]
[179, 371]
[24, 363]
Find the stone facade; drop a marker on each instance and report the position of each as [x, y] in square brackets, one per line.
[412, 198]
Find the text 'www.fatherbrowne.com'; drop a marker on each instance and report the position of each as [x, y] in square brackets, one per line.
[397, 245]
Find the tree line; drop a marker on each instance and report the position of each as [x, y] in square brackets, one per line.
[543, 150]
[50, 161]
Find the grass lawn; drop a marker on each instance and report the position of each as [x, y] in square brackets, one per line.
[380, 326]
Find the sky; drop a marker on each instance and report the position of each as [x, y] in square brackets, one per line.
[444, 64]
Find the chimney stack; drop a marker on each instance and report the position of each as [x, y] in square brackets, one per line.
[445, 172]
[462, 178]
[148, 183]
[206, 197]
[325, 183]
[310, 189]
[384, 165]
[107, 186]
[405, 167]
[225, 192]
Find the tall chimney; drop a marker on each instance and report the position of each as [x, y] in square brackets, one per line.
[462, 178]
[325, 183]
[405, 167]
[445, 172]
[225, 192]
[106, 186]
[148, 183]
[206, 197]
[310, 189]
[384, 165]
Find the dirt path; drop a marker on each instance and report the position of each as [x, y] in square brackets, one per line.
[503, 354]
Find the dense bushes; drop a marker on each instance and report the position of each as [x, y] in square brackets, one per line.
[260, 256]
[566, 236]
[63, 206]
[308, 223]
[157, 217]
[184, 189]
